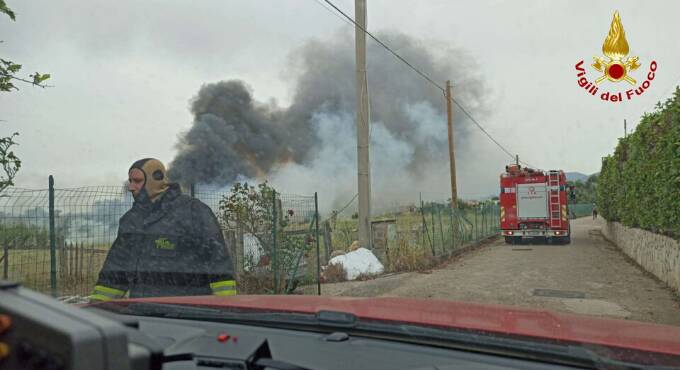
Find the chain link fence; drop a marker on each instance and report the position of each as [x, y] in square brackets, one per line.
[56, 240]
[414, 237]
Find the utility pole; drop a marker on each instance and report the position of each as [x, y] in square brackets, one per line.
[625, 129]
[363, 164]
[517, 159]
[452, 151]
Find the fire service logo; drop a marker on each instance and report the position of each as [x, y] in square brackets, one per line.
[616, 68]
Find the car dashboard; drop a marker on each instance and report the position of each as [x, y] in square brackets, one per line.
[45, 334]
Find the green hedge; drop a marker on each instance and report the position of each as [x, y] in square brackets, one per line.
[639, 185]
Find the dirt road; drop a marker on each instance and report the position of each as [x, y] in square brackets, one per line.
[589, 276]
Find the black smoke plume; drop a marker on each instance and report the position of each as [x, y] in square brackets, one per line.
[235, 136]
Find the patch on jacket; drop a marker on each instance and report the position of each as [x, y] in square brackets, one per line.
[163, 243]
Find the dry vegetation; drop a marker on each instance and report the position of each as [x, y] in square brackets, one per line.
[407, 258]
[75, 276]
[334, 273]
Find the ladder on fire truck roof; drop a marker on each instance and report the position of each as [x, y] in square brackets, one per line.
[554, 201]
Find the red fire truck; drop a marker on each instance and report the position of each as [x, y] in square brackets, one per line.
[534, 205]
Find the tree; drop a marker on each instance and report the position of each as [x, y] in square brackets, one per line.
[9, 72]
[9, 161]
[585, 192]
[254, 212]
[250, 209]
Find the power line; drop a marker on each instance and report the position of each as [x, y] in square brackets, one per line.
[482, 128]
[332, 12]
[343, 208]
[423, 75]
[348, 203]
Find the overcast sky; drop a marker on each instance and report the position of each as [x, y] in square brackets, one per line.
[125, 71]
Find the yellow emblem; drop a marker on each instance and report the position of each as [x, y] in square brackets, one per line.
[615, 47]
[164, 243]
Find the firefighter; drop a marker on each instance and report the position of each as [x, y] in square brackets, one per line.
[168, 244]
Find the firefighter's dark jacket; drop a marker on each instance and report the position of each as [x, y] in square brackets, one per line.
[171, 247]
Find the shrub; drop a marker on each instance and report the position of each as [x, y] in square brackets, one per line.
[639, 185]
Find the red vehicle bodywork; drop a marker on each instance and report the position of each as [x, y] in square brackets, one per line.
[493, 319]
[557, 221]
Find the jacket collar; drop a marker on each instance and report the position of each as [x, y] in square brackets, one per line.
[163, 205]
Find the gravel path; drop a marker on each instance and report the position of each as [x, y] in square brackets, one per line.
[589, 276]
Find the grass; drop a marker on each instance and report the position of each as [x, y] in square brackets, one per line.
[32, 268]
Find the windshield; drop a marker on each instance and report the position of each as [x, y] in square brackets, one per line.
[484, 153]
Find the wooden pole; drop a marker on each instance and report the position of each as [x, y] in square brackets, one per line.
[452, 151]
[363, 162]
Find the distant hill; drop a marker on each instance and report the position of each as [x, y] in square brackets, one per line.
[576, 176]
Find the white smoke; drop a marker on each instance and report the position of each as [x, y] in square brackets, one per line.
[332, 171]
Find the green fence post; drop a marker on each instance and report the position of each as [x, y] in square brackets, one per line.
[425, 230]
[482, 214]
[468, 234]
[489, 219]
[275, 268]
[460, 217]
[476, 224]
[486, 221]
[434, 233]
[53, 240]
[422, 213]
[318, 258]
[441, 227]
[5, 258]
[482, 232]
[451, 230]
[498, 219]
[480, 211]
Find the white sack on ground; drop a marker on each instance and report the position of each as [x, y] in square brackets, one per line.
[360, 261]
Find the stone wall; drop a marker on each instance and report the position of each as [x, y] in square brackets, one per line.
[658, 254]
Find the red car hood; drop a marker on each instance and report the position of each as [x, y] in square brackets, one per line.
[461, 315]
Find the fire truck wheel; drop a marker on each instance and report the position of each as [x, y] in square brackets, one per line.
[511, 240]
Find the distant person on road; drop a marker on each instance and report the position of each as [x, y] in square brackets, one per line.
[168, 243]
[594, 213]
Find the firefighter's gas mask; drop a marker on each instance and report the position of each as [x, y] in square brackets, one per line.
[155, 180]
